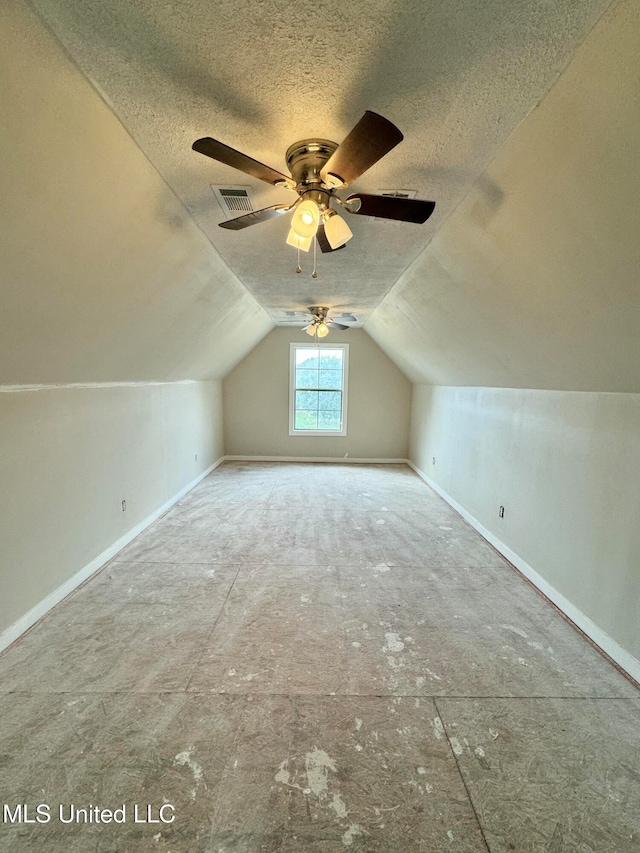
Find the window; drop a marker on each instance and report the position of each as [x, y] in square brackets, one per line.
[318, 389]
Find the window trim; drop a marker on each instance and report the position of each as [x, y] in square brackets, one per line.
[295, 345]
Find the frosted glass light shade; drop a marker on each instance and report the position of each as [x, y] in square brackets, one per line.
[337, 231]
[303, 243]
[311, 330]
[305, 219]
[323, 330]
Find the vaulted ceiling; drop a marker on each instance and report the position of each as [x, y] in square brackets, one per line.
[521, 120]
[456, 78]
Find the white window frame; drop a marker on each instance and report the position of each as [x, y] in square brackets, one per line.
[292, 388]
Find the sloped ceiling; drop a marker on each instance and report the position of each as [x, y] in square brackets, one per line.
[456, 77]
[104, 276]
[533, 281]
[114, 267]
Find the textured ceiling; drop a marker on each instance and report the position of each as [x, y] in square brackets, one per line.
[456, 77]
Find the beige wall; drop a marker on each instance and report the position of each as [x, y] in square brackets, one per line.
[69, 456]
[104, 278]
[256, 403]
[566, 467]
[533, 281]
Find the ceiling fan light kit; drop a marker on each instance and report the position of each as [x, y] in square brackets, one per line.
[320, 167]
[305, 219]
[317, 329]
[321, 323]
[298, 242]
[336, 229]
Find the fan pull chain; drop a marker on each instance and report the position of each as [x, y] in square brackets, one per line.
[298, 268]
[314, 274]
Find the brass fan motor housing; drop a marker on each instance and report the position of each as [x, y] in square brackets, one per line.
[318, 312]
[305, 160]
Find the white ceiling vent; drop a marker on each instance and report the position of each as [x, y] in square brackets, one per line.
[234, 200]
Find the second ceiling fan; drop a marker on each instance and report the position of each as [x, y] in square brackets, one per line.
[319, 168]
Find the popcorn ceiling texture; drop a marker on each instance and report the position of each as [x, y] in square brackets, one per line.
[456, 79]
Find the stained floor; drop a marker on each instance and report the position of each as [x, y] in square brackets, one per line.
[316, 658]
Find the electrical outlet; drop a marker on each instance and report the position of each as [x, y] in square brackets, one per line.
[501, 512]
[124, 506]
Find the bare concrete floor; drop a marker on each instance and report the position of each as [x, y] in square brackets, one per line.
[316, 658]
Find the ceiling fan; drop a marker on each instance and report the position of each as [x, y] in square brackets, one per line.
[319, 168]
[321, 323]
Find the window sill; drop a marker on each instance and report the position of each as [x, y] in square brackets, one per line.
[308, 432]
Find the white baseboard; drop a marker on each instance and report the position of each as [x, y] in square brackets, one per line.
[29, 619]
[609, 646]
[344, 460]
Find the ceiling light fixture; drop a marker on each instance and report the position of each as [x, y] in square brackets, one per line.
[336, 229]
[305, 220]
[297, 242]
[317, 329]
[321, 324]
[319, 168]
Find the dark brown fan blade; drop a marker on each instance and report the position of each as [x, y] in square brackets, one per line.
[224, 154]
[371, 138]
[253, 218]
[324, 244]
[333, 325]
[389, 207]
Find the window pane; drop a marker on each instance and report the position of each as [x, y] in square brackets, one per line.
[331, 359]
[317, 392]
[306, 400]
[306, 420]
[329, 400]
[306, 378]
[307, 356]
[331, 379]
[329, 420]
